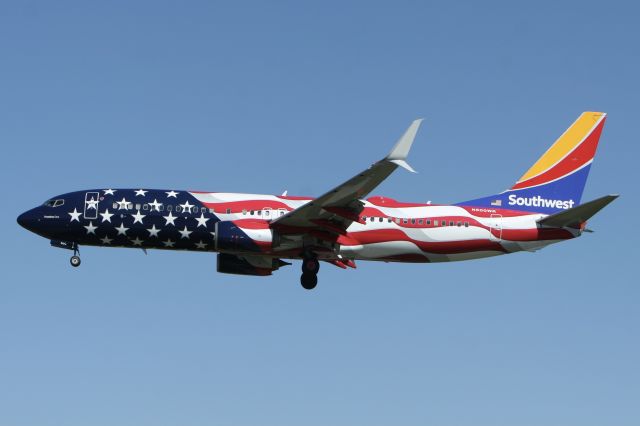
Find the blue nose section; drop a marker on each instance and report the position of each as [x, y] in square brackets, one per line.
[29, 220]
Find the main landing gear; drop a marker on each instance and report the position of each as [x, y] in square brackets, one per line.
[310, 268]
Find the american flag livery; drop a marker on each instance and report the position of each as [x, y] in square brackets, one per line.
[254, 233]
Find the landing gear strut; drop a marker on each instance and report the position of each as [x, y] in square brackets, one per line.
[310, 268]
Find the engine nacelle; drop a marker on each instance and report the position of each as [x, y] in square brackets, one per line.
[244, 236]
[249, 265]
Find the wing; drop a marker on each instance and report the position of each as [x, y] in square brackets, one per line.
[331, 214]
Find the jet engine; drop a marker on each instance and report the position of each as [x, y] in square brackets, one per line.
[244, 236]
[248, 265]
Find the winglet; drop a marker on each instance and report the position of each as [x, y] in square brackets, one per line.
[400, 151]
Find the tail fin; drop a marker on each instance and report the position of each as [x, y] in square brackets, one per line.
[556, 181]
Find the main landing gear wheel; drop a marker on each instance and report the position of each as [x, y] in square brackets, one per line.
[309, 281]
[75, 261]
[310, 268]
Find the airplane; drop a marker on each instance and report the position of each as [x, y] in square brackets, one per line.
[256, 234]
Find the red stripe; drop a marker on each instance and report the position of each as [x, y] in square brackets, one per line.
[577, 158]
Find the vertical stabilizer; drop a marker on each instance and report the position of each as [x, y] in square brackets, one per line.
[556, 181]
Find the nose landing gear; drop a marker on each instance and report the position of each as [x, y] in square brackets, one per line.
[75, 259]
[309, 277]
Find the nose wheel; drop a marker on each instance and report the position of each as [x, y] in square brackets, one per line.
[75, 261]
[309, 277]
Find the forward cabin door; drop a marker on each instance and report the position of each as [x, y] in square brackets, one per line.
[91, 200]
[495, 225]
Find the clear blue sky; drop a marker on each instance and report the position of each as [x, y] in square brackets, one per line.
[267, 96]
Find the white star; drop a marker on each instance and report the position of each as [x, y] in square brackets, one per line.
[201, 245]
[91, 229]
[137, 242]
[155, 205]
[202, 221]
[137, 217]
[186, 207]
[170, 219]
[153, 231]
[141, 192]
[122, 205]
[75, 215]
[106, 240]
[92, 204]
[172, 194]
[185, 232]
[168, 243]
[109, 191]
[106, 216]
[122, 230]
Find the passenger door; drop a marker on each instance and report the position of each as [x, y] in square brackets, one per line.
[91, 200]
[495, 225]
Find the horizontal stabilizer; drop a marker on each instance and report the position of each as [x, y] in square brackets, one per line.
[575, 216]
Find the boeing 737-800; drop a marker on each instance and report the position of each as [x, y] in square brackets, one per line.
[253, 234]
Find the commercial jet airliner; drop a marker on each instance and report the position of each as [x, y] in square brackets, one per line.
[253, 233]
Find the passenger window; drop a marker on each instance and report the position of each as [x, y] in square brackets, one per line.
[258, 212]
[244, 211]
[372, 218]
[451, 223]
[115, 205]
[428, 222]
[413, 221]
[466, 224]
[161, 208]
[389, 220]
[398, 220]
[364, 218]
[251, 212]
[178, 209]
[405, 221]
[444, 223]
[195, 210]
[459, 223]
[381, 219]
[130, 206]
[145, 207]
[419, 221]
[212, 211]
[138, 206]
[435, 223]
[170, 207]
[203, 210]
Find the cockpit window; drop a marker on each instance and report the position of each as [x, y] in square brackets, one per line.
[54, 203]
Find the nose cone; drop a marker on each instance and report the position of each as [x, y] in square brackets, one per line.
[28, 220]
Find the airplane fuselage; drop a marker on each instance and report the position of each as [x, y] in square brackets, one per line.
[385, 230]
